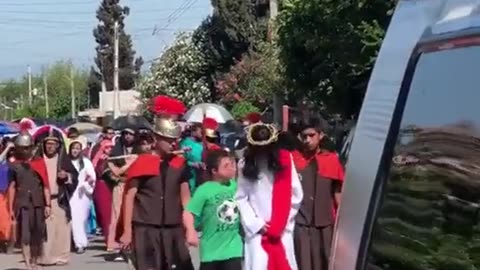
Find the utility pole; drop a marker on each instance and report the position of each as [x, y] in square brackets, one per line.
[72, 91]
[273, 15]
[29, 71]
[45, 93]
[277, 102]
[116, 111]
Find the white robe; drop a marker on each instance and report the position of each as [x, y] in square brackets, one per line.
[254, 199]
[80, 202]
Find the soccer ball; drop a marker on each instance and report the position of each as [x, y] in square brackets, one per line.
[227, 212]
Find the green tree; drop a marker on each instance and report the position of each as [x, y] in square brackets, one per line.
[109, 12]
[180, 73]
[234, 28]
[242, 108]
[254, 79]
[59, 80]
[329, 47]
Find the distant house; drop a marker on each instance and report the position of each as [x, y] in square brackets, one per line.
[130, 103]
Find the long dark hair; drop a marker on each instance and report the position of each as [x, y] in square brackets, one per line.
[80, 156]
[254, 153]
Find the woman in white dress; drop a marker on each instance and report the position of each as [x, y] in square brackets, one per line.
[80, 202]
[269, 196]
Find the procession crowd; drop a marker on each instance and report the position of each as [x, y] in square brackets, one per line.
[154, 192]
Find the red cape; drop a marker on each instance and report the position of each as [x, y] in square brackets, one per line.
[146, 165]
[329, 165]
[39, 166]
[281, 207]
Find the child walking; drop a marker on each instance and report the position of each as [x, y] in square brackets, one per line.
[213, 204]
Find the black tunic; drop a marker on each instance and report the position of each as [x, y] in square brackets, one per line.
[158, 234]
[29, 206]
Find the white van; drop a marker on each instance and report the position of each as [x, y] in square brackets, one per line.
[412, 192]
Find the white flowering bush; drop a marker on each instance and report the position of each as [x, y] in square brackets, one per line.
[179, 72]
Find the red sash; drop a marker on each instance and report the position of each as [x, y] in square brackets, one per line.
[281, 207]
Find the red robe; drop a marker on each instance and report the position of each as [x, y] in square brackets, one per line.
[146, 165]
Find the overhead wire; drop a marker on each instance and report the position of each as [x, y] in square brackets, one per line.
[186, 4]
[47, 3]
[72, 12]
[50, 23]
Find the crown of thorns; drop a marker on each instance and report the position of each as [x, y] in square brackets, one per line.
[273, 134]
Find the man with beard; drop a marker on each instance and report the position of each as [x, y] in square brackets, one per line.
[321, 176]
[29, 202]
[55, 168]
[157, 191]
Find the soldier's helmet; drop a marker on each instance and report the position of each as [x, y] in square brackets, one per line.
[23, 139]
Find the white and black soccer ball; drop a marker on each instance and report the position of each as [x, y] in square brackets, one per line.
[227, 212]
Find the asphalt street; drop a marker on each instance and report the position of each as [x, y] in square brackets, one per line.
[94, 258]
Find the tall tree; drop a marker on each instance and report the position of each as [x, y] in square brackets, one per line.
[234, 28]
[180, 72]
[109, 12]
[329, 47]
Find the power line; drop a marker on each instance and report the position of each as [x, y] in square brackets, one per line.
[49, 3]
[132, 11]
[45, 38]
[186, 5]
[49, 22]
[15, 20]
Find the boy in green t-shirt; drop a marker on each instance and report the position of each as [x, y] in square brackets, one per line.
[213, 205]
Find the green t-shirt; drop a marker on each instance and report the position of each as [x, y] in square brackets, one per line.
[214, 205]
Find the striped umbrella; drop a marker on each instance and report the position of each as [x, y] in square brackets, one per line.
[8, 128]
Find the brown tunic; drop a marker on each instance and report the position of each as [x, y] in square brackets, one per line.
[29, 206]
[158, 234]
[315, 219]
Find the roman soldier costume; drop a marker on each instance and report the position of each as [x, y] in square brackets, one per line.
[210, 127]
[156, 225]
[321, 177]
[29, 203]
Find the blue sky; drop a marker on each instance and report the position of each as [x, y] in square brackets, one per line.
[38, 32]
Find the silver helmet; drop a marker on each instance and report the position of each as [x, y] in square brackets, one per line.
[23, 139]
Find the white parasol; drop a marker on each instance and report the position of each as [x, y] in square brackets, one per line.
[200, 111]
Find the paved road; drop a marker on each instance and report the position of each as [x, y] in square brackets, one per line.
[93, 259]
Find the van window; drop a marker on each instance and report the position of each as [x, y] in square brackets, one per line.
[429, 216]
